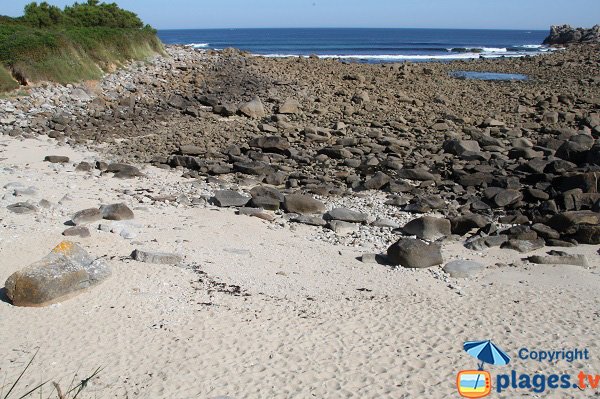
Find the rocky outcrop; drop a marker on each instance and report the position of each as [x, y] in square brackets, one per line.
[565, 34]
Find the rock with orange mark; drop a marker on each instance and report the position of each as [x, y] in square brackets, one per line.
[65, 272]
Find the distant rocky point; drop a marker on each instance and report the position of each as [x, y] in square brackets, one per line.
[565, 34]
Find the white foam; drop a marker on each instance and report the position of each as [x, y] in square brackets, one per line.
[532, 46]
[494, 50]
[397, 57]
[198, 45]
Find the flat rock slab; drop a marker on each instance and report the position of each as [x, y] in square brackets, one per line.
[22, 208]
[575, 260]
[116, 212]
[385, 224]
[271, 144]
[56, 159]
[123, 171]
[303, 204]
[257, 213]
[342, 228]
[22, 191]
[190, 150]
[524, 246]
[67, 270]
[161, 258]
[309, 220]
[86, 216]
[229, 198]
[346, 215]
[463, 268]
[77, 231]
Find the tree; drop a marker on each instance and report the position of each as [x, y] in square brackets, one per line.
[43, 15]
[94, 13]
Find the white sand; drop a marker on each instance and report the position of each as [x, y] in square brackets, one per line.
[303, 331]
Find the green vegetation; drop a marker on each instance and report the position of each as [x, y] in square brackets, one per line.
[77, 43]
[72, 393]
[7, 82]
[90, 14]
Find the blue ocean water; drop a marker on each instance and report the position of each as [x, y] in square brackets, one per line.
[368, 45]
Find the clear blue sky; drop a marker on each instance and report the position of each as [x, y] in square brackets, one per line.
[510, 14]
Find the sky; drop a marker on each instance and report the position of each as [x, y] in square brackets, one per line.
[472, 14]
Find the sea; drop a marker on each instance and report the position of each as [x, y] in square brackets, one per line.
[366, 45]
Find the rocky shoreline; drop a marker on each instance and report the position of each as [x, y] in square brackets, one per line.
[566, 35]
[229, 222]
[511, 164]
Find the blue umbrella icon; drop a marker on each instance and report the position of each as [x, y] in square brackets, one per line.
[486, 352]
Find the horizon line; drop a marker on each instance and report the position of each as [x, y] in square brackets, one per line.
[352, 27]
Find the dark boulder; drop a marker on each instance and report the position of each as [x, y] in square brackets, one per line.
[413, 253]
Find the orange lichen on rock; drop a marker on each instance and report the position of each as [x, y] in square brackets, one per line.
[64, 247]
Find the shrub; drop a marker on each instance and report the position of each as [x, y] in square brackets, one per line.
[43, 15]
[93, 14]
[89, 14]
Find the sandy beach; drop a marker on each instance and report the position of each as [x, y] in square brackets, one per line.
[309, 320]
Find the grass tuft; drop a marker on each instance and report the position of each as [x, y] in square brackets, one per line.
[7, 82]
[72, 393]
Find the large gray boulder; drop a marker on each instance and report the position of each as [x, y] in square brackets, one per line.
[409, 252]
[67, 270]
